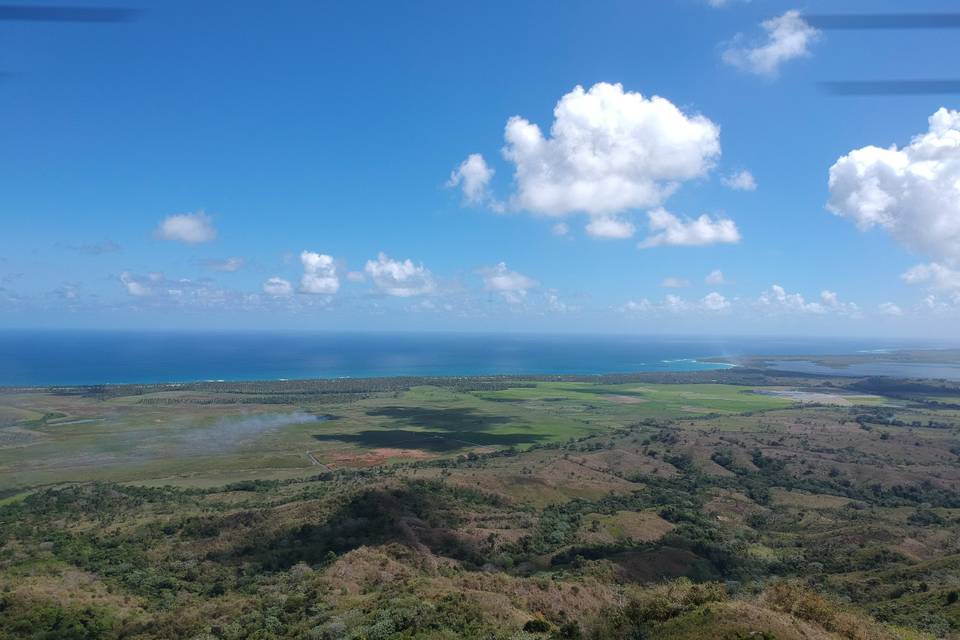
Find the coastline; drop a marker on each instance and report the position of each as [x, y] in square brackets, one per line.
[70, 358]
[571, 376]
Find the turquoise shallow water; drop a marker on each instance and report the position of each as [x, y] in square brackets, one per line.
[95, 357]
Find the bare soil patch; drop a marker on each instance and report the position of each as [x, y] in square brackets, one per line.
[374, 457]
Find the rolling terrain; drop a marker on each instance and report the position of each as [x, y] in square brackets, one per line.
[734, 504]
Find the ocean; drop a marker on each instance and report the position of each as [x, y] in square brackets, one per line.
[60, 357]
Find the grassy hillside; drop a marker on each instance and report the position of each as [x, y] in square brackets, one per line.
[729, 505]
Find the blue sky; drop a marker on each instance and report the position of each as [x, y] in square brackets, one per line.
[245, 165]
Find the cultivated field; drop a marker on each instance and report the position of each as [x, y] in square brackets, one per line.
[206, 437]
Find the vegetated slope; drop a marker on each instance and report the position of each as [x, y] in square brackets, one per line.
[798, 522]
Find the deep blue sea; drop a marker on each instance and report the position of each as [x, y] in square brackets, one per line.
[95, 357]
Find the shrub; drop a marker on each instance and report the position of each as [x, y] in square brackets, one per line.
[672, 599]
[51, 621]
[804, 603]
[799, 601]
[537, 625]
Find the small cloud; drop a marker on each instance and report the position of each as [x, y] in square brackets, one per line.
[555, 304]
[609, 227]
[278, 288]
[227, 265]
[319, 274]
[890, 309]
[673, 304]
[787, 37]
[181, 292]
[560, 229]
[933, 275]
[136, 286]
[672, 231]
[715, 302]
[740, 181]
[715, 278]
[401, 279]
[675, 283]
[777, 300]
[67, 291]
[473, 176]
[932, 302]
[636, 306]
[356, 276]
[511, 286]
[189, 228]
[831, 301]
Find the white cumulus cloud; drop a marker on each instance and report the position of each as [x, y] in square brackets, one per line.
[672, 304]
[890, 309]
[934, 276]
[832, 303]
[948, 304]
[787, 37]
[609, 227]
[777, 300]
[473, 176]
[511, 286]
[277, 287]
[190, 228]
[136, 286]
[608, 151]
[714, 301]
[637, 306]
[913, 192]
[555, 304]
[740, 181]
[672, 231]
[319, 274]
[401, 279]
[715, 278]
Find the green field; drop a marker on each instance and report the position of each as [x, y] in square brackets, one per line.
[184, 437]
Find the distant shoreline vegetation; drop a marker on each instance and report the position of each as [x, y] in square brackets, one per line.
[377, 383]
[428, 379]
